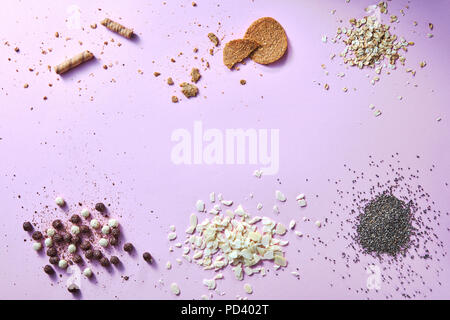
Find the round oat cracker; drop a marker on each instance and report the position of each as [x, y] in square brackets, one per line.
[237, 50]
[272, 38]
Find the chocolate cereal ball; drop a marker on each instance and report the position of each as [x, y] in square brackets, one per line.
[100, 207]
[57, 224]
[48, 269]
[128, 247]
[115, 232]
[97, 254]
[54, 260]
[58, 238]
[85, 245]
[115, 260]
[75, 219]
[105, 262]
[89, 254]
[76, 239]
[51, 252]
[113, 241]
[85, 229]
[27, 226]
[76, 258]
[147, 257]
[37, 235]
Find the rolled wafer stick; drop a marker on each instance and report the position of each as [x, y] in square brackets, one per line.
[118, 28]
[74, 62]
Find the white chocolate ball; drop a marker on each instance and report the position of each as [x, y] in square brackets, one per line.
[85, 213]
[60, 201]
[75, 229]
[113, 223]
[37, 246]
[95, 224]
[71, 248]
[103, 242]
[48, 242]
[87, 272]
[106, 230]
[51, 232]
[62, 264]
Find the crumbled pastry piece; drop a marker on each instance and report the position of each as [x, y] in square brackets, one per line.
[213, 38]
[189, 90]
[195, 75]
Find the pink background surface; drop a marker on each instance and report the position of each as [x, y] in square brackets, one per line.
[117, 146]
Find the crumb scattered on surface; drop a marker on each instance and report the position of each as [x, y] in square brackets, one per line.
[189, 90]
[195, 75]
[174, 99]
[156, 74]
[170, 81]
[213, 38]
[243, 82]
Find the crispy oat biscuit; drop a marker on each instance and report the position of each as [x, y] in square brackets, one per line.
[118, 28]
[74, 62]
[189, 90]
[237, 50]
[272, 38]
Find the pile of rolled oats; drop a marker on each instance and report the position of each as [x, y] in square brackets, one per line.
[369, 42]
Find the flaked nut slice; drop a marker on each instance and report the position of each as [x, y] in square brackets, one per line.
[271, 36]
[237, 50]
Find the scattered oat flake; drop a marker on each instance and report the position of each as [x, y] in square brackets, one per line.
[175, 288]
[248, 288]
[280, 196]
[172, 236]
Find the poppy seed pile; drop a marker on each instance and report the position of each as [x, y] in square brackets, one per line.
[385, 226]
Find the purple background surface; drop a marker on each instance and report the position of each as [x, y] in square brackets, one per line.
[96, 139]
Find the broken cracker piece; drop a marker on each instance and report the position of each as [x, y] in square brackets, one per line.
[271, 36]
[118, 28]
[213, 38]
[237, 50]
[189, 90]
[195, 74]
[74, 62]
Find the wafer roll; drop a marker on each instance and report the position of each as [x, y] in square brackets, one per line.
[74, 62]
[118, 28]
